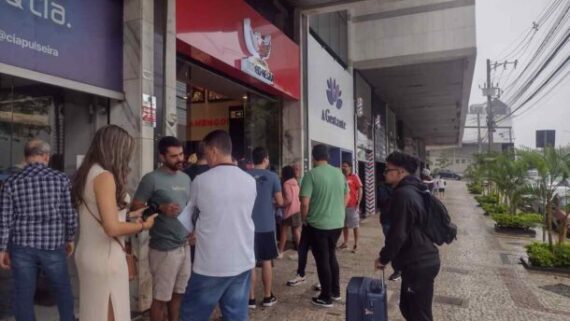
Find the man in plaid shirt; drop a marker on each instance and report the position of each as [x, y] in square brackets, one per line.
[37, 228]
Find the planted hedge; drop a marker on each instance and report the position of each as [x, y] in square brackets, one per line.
[518, 221]
[540, 255]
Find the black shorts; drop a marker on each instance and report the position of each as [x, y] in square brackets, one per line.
[265, 246]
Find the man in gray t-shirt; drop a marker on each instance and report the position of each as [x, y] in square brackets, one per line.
[169, 254]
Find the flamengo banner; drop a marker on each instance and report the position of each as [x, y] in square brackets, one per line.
[72, 39]
[331, 99]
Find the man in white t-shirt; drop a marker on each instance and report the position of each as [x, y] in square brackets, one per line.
[223, 199]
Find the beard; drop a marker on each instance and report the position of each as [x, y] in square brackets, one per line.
[175, 166]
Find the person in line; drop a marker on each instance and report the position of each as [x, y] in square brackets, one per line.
[352, 217]
[268, 193]
[100, 194]
[383, 198]
[224, 197]
[407, 246]
[200, 166]
[441, 184]
[292, 208]
[324, 195]
[169, 250]
[37, 230]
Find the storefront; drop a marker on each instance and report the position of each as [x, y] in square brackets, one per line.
[234, 72]
[60, 66]
[365, 143]
[330, 104]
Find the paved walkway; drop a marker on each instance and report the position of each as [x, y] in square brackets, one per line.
[480, 278]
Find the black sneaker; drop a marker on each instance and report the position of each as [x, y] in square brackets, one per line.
[252, 304]
[270, 301]
[395, 276]
[322, 303]
[336, 298]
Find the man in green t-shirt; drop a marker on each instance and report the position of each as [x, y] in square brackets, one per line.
[324, 194]
[169, 253]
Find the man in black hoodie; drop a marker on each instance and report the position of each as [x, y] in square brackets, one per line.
[407, 246]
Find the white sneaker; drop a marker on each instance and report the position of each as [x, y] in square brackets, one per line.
[296, 281]
[294, 257]
[317, 287]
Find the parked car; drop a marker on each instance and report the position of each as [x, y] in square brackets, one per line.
[448, 174]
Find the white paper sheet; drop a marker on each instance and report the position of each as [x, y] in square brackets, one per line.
[185, 217]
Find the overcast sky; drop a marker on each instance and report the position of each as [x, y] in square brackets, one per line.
[499, 24]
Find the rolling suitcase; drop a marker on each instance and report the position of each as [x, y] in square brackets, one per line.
[366, 299]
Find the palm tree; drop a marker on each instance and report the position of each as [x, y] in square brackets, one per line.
[551, 164]
[509, 175]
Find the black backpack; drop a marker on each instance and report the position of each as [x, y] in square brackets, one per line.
[439, 227]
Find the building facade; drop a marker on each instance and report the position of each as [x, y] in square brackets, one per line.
[364, 77]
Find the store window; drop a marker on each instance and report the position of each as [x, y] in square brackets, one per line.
[331, 30]
[30, 109]
[207, 101]
[27, 110]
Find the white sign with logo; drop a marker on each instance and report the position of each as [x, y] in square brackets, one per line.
[331, 99]
[259, 47]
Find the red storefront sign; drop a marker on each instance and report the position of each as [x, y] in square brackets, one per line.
[230, 36]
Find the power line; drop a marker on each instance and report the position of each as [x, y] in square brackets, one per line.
[544, 83]
[539, 51]
[535, 103]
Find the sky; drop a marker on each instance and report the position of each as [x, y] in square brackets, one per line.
[500, 24]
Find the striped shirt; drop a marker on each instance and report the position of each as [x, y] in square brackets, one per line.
[36, 210]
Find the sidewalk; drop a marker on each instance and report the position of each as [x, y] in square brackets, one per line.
[480, 279]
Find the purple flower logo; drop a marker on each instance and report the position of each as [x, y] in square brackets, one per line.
[334, 93]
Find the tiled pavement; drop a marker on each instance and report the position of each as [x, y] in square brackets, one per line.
[480, 278]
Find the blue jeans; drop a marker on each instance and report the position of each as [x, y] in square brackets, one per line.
[205, 292]
[25, 266]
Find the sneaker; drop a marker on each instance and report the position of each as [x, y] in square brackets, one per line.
[322, 303]
[317, 287]
[270, 301]
[294, 257]
[296, 281]
[395, 276]
[252, 304]
[280, 256]
[355, 249]
[336, 298]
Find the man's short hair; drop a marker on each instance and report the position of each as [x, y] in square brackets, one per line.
[200, 151]
[408, 162]
[36, 147]
[320, 153]
[349, 164]
[258, 155]
[220, 140]
[166, 142]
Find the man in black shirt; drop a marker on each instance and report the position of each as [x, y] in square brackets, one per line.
[201, 165]
[407, 246]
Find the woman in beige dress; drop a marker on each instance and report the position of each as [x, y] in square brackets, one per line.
[99, 194]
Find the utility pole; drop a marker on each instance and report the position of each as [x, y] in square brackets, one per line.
[491, 91]
[479, 142]
[490, 119]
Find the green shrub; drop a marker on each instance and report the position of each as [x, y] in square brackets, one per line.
[539, 254]
[522, 221]
[562, 255]
[475, 188]
[491, 199]
[493, 208]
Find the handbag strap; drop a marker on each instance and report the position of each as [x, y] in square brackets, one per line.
[101, 223]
